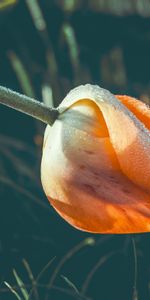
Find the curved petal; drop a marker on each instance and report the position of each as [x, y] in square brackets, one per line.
[129, 137]
[137, 107]
[83, 171]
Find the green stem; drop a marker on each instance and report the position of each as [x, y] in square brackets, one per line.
[28, 106]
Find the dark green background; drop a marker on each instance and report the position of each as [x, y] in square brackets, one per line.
[114, 52]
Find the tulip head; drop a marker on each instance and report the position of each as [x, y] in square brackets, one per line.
[96, 162]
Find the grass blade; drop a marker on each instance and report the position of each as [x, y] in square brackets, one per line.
[21, 285]
[70, 284]
[12, 290]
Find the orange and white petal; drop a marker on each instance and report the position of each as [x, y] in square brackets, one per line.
[129, 136]
[81, 171]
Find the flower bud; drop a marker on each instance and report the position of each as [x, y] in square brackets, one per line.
[96, 162]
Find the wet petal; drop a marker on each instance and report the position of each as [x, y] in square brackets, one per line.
[129, 137]
[137, 107]
[83, 169]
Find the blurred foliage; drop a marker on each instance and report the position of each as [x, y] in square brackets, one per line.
[119, 8]
[4, 4]
[47, 48]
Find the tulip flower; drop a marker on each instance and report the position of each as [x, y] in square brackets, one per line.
[95, 166]
[96, 162]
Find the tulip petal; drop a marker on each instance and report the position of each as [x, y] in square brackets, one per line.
[129, 137]
[83, 167]
[137, 107]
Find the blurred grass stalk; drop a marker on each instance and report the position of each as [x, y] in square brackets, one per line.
[112, 69]
[114, 7]
[41, 27]
[7, 3]
[22, 75]
[27, 87]
[47, 95]
[90, 241]
[12, 290]
[70, 39]
[21, 285]
[81, 74]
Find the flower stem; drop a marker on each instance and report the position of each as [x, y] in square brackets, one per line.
[28, 105]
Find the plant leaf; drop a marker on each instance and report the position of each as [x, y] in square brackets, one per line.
[70, 284]
[12, 290]
[21, 285]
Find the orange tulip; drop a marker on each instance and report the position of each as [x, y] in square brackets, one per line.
[96, 162]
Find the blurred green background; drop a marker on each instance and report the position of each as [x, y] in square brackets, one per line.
[46, 48]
